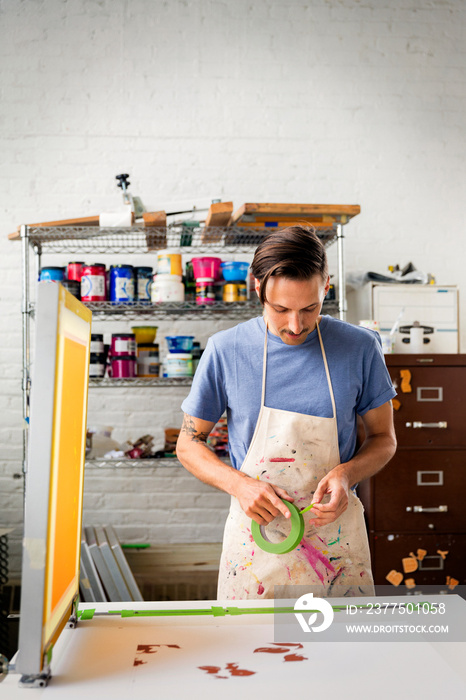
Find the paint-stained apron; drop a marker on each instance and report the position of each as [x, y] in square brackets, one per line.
[294, 451]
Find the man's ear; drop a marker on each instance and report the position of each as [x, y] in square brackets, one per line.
[327, 285]
[257, 286]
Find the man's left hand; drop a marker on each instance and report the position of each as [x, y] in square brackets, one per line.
[336, 485]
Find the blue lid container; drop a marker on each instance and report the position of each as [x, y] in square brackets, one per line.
[55, 274]
[234, 271]
[179, 343]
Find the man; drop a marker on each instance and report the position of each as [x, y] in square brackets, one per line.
[293, 384]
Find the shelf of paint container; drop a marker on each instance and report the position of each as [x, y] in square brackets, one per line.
[137, 463]
[148, 463]
[108, 382]
[140, 239]
[189, 311]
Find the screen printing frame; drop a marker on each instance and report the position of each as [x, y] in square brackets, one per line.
[54, 477]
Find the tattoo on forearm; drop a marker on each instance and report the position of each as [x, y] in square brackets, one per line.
[190, 430]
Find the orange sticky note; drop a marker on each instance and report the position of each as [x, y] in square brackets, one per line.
[421, 553]
[453, 583]
[443, 553]
[394, 577]
[405, 375]
[409, 564]
[410, 583]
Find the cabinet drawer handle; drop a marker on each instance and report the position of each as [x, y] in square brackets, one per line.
[418, 424]
[421, 509]
[429, 478]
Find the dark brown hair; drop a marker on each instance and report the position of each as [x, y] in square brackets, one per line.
[294, 252]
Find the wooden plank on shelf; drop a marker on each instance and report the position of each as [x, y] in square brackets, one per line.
[82, 221]
[219, 214]
[313, 212]
[278, 222]
[155, 219]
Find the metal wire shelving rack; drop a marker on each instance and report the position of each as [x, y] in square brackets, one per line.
[87, 240]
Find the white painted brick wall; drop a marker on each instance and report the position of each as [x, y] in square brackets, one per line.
[351, 101]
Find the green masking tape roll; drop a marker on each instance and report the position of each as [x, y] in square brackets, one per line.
[287, 545]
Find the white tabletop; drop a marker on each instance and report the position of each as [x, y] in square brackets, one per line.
[235, 656]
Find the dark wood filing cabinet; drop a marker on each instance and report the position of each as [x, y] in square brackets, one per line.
[416, 506]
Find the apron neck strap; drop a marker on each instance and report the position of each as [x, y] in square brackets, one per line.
[264, 362]
[329, 381]
[324, 356]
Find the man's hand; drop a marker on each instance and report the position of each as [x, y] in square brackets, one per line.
[336, 484]
[260, 500]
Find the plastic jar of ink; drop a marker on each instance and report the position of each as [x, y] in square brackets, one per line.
[93, 283]
[179, 364]
[121, 283]
[167, 288]
[143, 280]
[205, 291]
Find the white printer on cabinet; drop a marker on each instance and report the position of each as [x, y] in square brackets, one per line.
[433, 306]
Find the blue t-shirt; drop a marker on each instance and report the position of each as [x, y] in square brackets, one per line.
[229, 378]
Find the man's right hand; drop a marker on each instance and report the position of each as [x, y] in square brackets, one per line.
[260, 500]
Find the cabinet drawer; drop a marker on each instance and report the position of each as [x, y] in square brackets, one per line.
[421, 491]
[432, 413]
[389, 550]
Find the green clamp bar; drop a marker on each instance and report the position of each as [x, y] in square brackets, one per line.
[217, 611]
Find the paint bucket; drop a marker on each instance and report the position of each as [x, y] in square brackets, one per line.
[74, 271]
[179, 364]
[97, 365]
[167, 288]
[230, 292]
[234, 271]
[97, 343]
[144, 334]
[73, 287]
[124, 367]
[148, 363]
[206, 266]
[196, 353]
[179, 343]
[93, 283]
[52, 274]
[123, 344]
[205, 291]
[235, 291]
[169, 263]
[121, 284]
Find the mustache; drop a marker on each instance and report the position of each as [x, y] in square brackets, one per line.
[291, 332]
